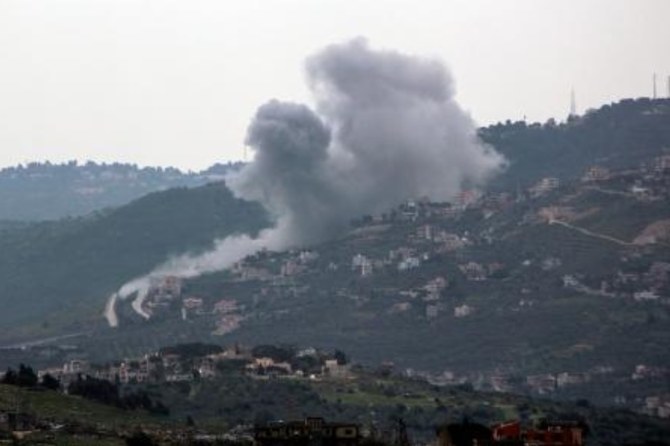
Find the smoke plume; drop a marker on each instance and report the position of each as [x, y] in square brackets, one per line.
[386, 129]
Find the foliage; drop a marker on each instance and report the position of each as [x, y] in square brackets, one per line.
[276, 353]
[57, 275]
[616, 136]
[49, 382]
[25, 377]
[191, 350]
[105, 392]
[46, 191]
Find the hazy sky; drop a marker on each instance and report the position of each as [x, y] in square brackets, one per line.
[176, 82]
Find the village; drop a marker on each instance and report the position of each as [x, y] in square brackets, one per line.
[281, 272]
[432, 259]
[196, 362]
[187, 363]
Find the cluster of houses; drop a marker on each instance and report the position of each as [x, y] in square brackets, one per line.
[170, 366]
[539, 384]
[427, 240]
[512, 433]
[403, 258]
[649, 182]
[642, 286]
[657, 406]
[317, 431]
[312, 430]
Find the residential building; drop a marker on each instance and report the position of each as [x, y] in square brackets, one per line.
[309, 431]
[596, 173]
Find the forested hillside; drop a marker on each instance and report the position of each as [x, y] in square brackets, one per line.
[46, 191]
[618, 135]
[58, 274]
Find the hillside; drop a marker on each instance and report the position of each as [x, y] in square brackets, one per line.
[617, 136]
[225, 389]
[56, 275]
[65, 408]
[554, 293]
[558, 284]
[45, 191]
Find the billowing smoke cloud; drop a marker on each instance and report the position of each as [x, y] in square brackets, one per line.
[386, 129]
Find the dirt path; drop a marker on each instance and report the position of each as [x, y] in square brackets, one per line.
[591, 233]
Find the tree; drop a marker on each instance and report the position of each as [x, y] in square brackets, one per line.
[10, 377]
[49, 382]
[341, 357]
[26, 376]
[278, 354]
[95, 389]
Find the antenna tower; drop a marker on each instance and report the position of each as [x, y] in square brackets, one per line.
[654, 97]
[573, 103]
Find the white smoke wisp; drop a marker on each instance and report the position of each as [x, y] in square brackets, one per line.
[223, 255]
[387, 129]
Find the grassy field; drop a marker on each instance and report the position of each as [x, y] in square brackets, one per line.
[50, 405]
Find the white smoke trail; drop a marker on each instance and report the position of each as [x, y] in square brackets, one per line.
[223, 255]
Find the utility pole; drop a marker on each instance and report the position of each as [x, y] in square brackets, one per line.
[573, 103]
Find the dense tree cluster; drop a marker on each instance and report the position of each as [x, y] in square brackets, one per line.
[616, 136]
[109, 393]
[24, 377]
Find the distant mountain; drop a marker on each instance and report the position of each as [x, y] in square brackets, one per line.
[45, 191]
[55, 276]
[617, 136]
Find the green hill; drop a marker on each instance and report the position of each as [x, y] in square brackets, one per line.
[368, 398]
[56, 276]
[48, 404]
[548, 298]
[534, 283]
[617, 136]
[46, 191]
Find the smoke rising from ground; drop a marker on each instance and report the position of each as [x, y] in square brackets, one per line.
[223, 255]
[386, 129]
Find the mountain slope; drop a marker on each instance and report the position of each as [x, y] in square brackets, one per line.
[573, 278]
[59, 273]
[552, 284]
[45, 191]
[619, 135]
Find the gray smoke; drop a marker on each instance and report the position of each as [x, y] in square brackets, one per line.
[386, 129]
